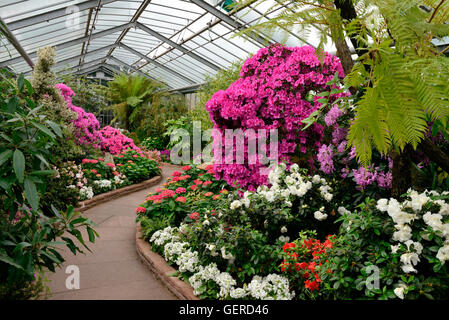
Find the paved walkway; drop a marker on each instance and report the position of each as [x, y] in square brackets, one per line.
[113, 270]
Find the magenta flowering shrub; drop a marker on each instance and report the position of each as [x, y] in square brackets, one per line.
[86, 125]
[276, 90]
[334, 158]
[116, 142]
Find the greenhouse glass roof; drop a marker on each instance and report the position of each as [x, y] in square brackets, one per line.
[177, 42]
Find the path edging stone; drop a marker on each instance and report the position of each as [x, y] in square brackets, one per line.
[161, 269]
[101, 198]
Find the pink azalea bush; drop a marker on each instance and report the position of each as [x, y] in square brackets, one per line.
[273, 92]
[87, 129]
[116, 142]
[86, 125]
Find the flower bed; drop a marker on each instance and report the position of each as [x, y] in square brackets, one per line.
[246, 246]
[319, 225]
[97, 176]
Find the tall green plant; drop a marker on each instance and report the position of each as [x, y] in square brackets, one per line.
[131, 95]
[400, 76]
[28, 238]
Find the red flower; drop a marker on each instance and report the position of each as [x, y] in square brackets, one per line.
[194, 216]
[158, 190]
[93, 161]
[288, 246]
[186, 168]
[176, 174]
[100, 159]
[135, 156]
[285, 265]
[208, 167]
[311, 285]
[110, 165]
[180, 190]
[216, 197]
[193, 187]
[115, 173]
[206, 183]
[94, 171]
[141, 210]
[300, 265]
[209, 194]
[197, 182]
[98, 175]
[181, 199]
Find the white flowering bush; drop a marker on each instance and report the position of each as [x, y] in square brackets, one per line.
[405, 242]
[208, 281]
[246, 245]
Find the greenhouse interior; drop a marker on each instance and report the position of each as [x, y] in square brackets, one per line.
[224, 150]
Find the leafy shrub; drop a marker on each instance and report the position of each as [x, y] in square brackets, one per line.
[274, 92]
[27, 236]
[154, 143]
[136, 167]
[116, 142]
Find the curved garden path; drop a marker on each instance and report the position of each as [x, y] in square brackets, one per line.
[113, 270]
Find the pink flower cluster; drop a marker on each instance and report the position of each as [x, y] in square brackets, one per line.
[271, 93]
[157, 198]
[86, 125]
[116, 142]
[87, 128]
[336, 154]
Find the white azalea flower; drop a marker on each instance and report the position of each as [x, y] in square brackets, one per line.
[235, 204]
[399, 291]
[320, 216]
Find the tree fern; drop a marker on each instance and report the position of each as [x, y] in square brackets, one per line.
[403, 77]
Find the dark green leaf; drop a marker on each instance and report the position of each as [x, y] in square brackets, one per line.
[20, 82]
[31, 193]
[19, 164]
[55, 128]
[5, 155]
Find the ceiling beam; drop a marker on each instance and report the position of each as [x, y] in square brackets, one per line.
[157, 64]
[198, 33]
[178, 47]
[71, 43]
[136, 16]
[54, 14]
[84, 68]
[84, 65]
[74, 58]
[225, 18]
[13, 40]
[134, 69]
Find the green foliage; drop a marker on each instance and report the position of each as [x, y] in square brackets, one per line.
[154, 143]
[135, 167]
[25, 141]
[28, 238]
[30, 241]
[164, 107]
[402, 76]
[407, 83]
[220, 81]
[131, 96]
[89, 95]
